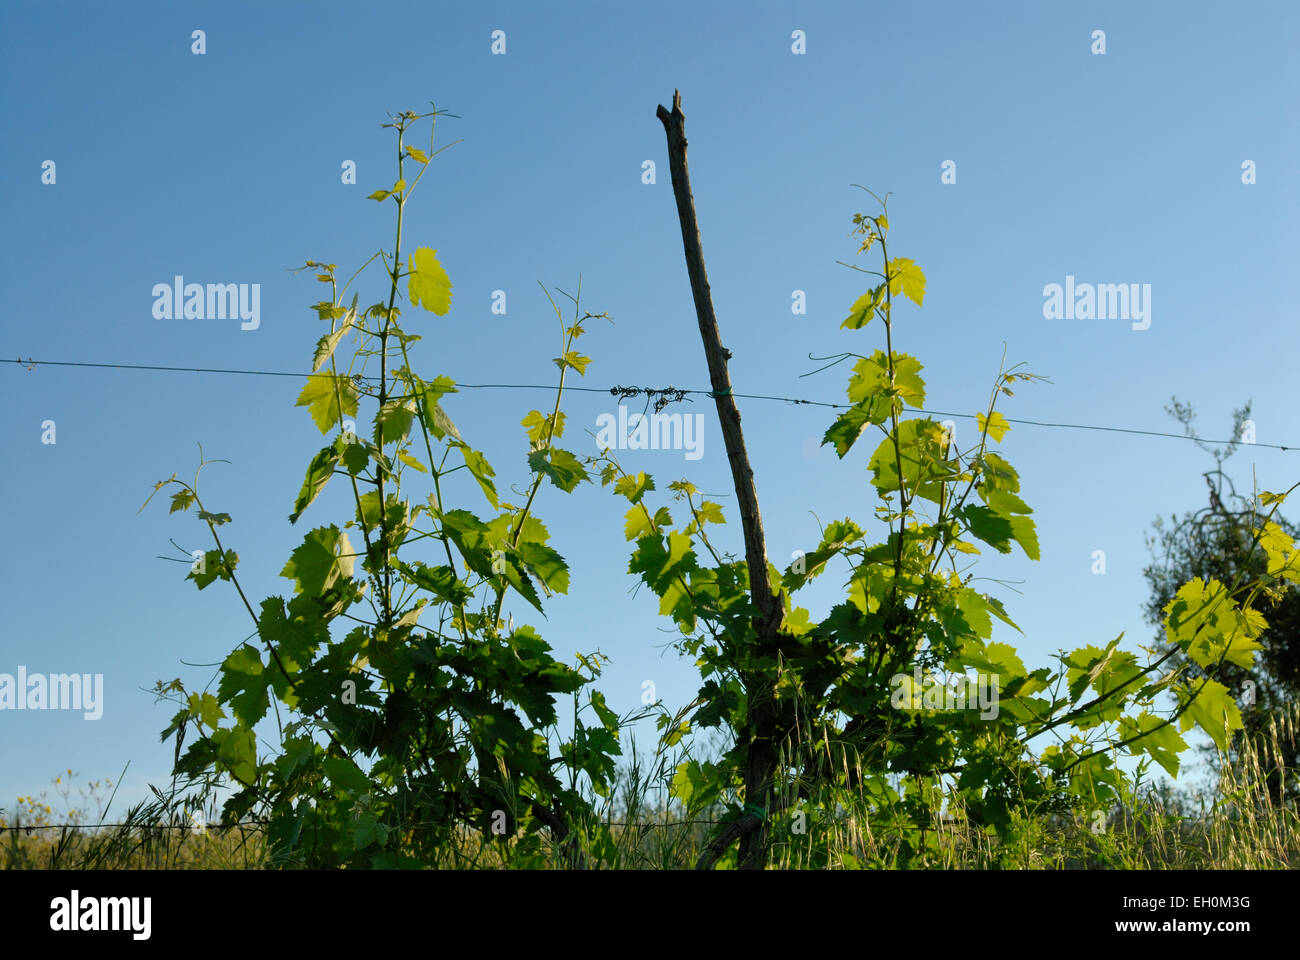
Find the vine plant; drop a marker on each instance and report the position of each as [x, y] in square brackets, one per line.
[431, 714]
[863, 700]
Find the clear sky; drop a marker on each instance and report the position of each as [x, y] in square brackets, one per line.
[225, 167]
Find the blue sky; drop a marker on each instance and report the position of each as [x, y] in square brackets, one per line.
[225, 167]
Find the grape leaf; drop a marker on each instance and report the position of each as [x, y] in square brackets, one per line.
[995, 424]
[562, 467]
[319, 471]
[325, 406]
[428, 285]
[906, 276]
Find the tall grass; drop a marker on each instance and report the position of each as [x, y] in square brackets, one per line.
[1246, 818]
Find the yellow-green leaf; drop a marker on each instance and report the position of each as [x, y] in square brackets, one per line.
[638, 523]
[413, 463]
[206, 709]
[1155, 737]
[1207, 623]
[863, 309]
[575, 360]
[906, 276]
[1213, 710]
[429, 286]
[1283, 558]
[329, 342]
[325, 405]
[996, 425]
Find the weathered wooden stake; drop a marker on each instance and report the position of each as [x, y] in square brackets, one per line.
[763, 722]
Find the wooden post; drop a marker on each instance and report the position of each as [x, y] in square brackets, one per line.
[763, 721]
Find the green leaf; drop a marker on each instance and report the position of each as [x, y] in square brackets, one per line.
[205, 708]
[439, 424]
[438, 387]
[975, 611]
[325, 406]
[997, 474]
[996, 425]
[482, 471]
[435, 418]
[346, 776]
[326, 345]
[1213, 710]
[634, 487]
[707, 512]
[906, 276]
[243, 685]
[328, 310]
[871, 377]
[441, 581]
[1025, 533]
[416, 154]
[471, 536]
[429, 285]
[356, 456]
[181, 500]
[321, 560]
[393, 421]
[214, 565]
[533, 531]
[844, 432]
[575, 360]
[1103, 670]
[1158, 738]
[990, 526]
[1209, 626]
[1283, 558]
[319, 471]
[608, 718]
[1001, 501]
[660, 564]
[216, 519]
[412, 616]
[547, 565]
[295, 637]
[638, 521]
[367, 830]
[369, 511]
[693, 787]
[998, 610]
[863, 309]
[539, 427]
[1004, 657]
[518, 578]
[835, 538]
[562, 467]
[237, 750]
[412, 462]
[923, 463]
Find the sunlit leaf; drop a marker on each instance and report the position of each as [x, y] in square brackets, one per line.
[995, 424]
[906, 276]
[328, 399]
[428, 285]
